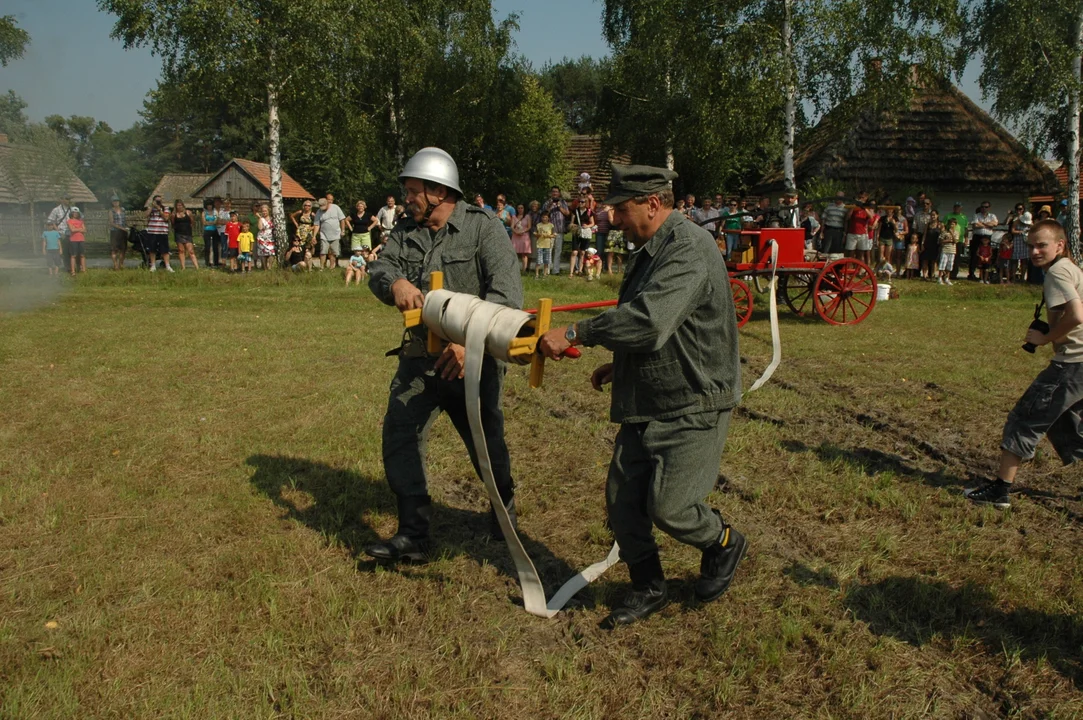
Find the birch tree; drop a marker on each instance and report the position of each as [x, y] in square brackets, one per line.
[1034, 79]
[277, 45]
[755, 66]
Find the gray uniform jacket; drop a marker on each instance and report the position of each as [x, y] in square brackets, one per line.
[472, 250]
[674, 332]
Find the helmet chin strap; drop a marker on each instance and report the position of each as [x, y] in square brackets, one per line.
[429, 210]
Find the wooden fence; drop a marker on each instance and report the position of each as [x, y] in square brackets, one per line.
[21, 231]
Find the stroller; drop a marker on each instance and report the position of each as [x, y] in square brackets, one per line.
[138, 237]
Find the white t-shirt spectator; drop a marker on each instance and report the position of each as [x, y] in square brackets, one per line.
[386, 217]
[330, 222]
[984, 218]
[59, 216]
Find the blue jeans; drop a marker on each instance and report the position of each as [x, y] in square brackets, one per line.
[731, 243]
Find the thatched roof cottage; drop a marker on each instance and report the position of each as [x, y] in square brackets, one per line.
[940, 142]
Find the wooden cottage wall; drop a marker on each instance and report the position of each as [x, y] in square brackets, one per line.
[236, 185]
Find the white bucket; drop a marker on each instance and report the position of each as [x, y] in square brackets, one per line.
[883, 292]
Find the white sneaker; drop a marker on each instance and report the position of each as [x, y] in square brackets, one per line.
[940, 281]
[153, 268]
[169, 268]
[948, 282]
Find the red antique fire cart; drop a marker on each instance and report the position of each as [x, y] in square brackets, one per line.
[842, 292]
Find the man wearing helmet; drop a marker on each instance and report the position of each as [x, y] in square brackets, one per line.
[469, 245]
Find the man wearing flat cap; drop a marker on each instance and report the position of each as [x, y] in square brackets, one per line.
[676, 379]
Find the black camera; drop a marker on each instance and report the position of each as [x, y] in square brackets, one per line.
[1037, 324]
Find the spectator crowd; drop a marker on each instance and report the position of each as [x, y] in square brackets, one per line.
[569, 234]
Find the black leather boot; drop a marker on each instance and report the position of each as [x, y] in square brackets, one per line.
[719, 563]
[649, 594]
[495, 532]
[411, 543]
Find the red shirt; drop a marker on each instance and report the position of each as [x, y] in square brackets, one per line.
[76, 228]
[859, 222]
[233, 229]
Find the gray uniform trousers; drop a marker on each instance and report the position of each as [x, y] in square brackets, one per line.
[416, 399]
[660, 473]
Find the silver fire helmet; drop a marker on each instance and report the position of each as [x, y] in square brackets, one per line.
[434, 165]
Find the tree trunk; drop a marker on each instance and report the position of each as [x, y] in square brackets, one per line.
[669, 129]
[278, 212]
[393, 120]
[791, 96]
[34, 235]
[1073, 142]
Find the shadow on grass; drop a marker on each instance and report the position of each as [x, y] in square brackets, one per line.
[873, 462]
[340, 499]
[917, 611]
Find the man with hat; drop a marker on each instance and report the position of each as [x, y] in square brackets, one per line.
[676, 379]
[468, 244]
[58, 217]
[332, 224]
[789, 213]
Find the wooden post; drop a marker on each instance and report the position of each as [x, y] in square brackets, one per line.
[435, 344]
[541, 326]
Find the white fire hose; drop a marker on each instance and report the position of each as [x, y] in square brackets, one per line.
[482, 327]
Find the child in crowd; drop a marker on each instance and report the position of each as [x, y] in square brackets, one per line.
[233, 230]
[265, 239]
[913, 256]
[358, 267]
[50, 248]
[295, 256]
[245, 241]
[985, 258]
[592, 264]
[543, 241]
[948, 239]
[1004, 258]
[615, 249]
[77, 238]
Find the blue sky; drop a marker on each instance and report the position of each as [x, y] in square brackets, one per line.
[73, 67]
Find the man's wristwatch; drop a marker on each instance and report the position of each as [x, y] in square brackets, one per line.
[570, 335]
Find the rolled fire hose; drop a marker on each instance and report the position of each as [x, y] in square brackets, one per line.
[482, 327]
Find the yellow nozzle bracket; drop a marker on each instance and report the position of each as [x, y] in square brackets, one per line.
[541, 326]
[436, 282]
[412, 318]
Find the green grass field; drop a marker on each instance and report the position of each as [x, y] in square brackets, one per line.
[190, 466]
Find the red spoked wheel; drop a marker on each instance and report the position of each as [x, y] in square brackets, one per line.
[742, 301]
[845, 292]
[795, 289]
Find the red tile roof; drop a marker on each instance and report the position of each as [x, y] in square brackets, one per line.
[261, 173]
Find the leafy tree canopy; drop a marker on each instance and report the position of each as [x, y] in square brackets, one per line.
[576, 87]
[13, 40]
